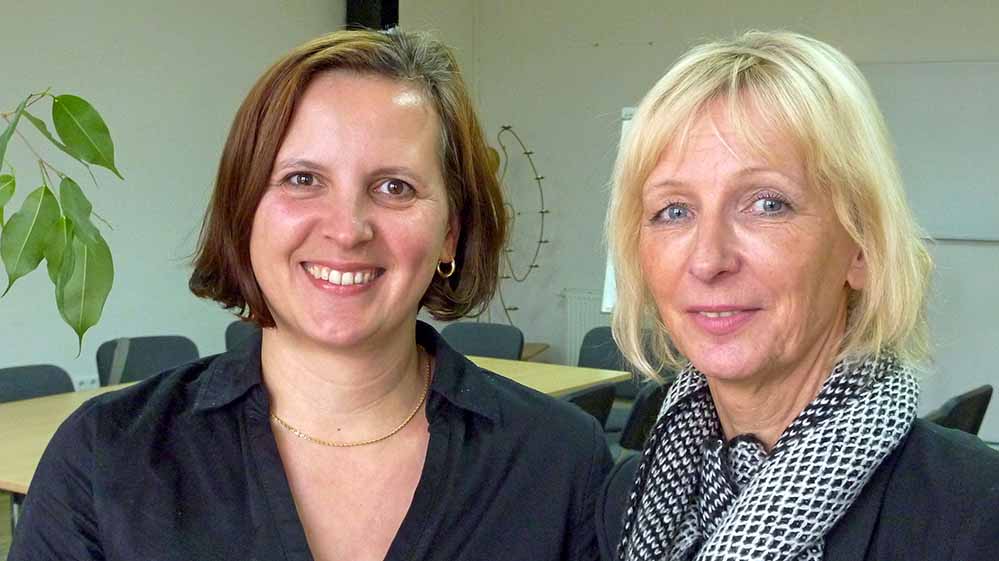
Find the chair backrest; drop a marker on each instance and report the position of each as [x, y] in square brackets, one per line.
[596, 401]
[964, 412]
[477, 338]
[37, 380]
[612, 504]
[145, 356]
[239, 331]
[643, 415]
[599, 350]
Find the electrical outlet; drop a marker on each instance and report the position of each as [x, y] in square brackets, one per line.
[88, 383]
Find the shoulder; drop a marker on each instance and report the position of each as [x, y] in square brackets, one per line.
[525, 409]
[947, 462]
[139, 410]
[941, 496]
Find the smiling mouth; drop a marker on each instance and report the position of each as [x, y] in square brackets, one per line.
[342, 278]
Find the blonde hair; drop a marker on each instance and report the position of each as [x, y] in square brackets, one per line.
[813, 95]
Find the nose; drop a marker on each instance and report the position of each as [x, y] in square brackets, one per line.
[714, 254]
[347, 219]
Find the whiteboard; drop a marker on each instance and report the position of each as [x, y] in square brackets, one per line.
[944, 120]
[610, 287]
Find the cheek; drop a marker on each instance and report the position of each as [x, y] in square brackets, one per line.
[419, 238]
[660, 271]
[276, 227]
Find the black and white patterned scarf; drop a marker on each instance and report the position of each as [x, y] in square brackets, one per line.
[697, 498]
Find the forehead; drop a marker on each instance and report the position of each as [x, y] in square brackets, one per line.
[723, 136]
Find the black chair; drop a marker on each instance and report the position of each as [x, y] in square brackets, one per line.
[596, 401]
[138, 358]
[239, 331]
[599, 350]
[612, 504]
[964, 412]
[476, 338]
[643, 417]
[26, 382]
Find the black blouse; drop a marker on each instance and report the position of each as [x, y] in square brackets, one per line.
[184, 466]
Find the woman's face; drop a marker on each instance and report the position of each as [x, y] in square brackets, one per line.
[747, 263]
[346, 238]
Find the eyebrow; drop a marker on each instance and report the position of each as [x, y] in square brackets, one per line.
[400, 170]
[297, 163]
[675, 183]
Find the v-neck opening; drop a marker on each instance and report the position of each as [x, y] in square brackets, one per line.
[412, 532]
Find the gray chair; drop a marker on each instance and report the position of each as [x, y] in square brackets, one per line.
[27, 382]
[596, 401]
[599, 350]
[476, 338]
[644, 414]
[239, 331]
[37, 380]
[131, 359]
[964, 412]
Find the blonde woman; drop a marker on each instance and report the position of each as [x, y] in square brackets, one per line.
[760, 227]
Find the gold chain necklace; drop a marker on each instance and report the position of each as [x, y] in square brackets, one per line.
[304, 436]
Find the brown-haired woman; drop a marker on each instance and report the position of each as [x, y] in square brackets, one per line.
[353, 190]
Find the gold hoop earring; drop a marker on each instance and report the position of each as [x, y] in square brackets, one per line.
[450, 271]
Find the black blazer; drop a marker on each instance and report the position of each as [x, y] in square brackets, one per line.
[934, 498]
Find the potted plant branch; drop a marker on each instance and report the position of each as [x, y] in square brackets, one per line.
[55, 220]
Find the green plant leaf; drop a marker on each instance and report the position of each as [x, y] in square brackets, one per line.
[7, 184]
[23, 244]
[85, 280]
[44, 129]
[83, 131]
[77, 209]
[55, 248]
[9, 131]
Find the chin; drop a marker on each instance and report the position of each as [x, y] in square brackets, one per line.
[726, 362]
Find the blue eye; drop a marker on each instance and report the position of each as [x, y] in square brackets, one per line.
[674, 212]
[770, 205]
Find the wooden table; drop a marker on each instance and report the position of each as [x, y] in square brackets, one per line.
[552, 379]
[27, 426]
[532, 350]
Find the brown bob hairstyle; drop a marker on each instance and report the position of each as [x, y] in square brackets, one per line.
[222, 269]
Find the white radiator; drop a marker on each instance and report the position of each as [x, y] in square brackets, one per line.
[582, 314]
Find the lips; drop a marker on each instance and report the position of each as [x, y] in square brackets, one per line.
[721, 320]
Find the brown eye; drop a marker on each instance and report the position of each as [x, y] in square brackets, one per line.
[301, 179]
[395, 188]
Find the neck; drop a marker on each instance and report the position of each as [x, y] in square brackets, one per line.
[342, 395]
[765, 405]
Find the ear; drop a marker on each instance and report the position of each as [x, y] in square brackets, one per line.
[856, 276]
[451, 239]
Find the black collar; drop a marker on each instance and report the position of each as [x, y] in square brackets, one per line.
[231, 375]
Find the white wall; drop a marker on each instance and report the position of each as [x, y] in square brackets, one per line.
[168, 78]
[561, 70]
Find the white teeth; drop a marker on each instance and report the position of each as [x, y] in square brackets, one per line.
[718, 314]
[341, 278]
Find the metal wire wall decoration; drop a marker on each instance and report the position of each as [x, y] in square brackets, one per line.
[511, 272]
